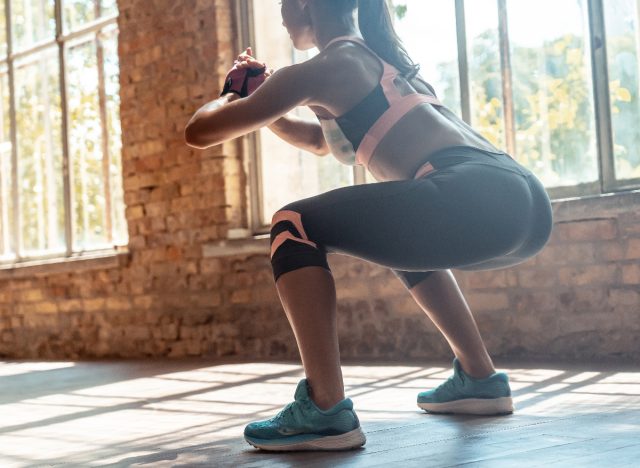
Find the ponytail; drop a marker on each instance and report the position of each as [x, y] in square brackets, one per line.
[377, 29]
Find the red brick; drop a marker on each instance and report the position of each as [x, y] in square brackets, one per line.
[600, 229]
[631, 274]
[487, 301]
[492, 279]
[625, 297]
[611, 251]
[591, 274]
[539, 278]
[633, 249]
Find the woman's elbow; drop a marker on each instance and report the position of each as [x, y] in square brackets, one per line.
[322, 148]
[195, 138]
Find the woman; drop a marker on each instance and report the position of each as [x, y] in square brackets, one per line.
[446, 198]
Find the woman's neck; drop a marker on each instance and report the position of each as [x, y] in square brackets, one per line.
[327, 29]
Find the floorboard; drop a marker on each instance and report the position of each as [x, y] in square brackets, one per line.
[192, 413]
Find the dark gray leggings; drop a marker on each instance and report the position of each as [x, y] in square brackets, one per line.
[478, 211]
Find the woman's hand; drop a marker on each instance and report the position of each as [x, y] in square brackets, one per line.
[246, 75]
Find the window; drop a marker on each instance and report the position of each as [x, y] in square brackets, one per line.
[522, 73]
[59, 98]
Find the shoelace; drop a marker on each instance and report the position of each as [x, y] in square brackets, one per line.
[288, 409]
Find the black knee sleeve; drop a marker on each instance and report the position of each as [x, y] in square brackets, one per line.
[291, 249]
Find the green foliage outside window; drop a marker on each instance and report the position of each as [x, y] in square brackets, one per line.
[553, 103]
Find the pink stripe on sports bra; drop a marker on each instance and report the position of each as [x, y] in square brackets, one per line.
[386, 122]
[399, 105]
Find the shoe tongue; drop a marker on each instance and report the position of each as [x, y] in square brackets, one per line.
[302, 391]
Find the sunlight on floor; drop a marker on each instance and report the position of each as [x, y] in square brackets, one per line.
[52, 416]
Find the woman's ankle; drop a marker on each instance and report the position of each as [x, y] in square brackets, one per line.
[325, 400]
[477, 370]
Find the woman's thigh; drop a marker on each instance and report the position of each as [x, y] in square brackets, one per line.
[457, 216]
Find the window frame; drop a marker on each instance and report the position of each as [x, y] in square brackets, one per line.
[606, 183]
[14, 240]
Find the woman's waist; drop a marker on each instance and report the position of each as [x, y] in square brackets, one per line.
[454, 155]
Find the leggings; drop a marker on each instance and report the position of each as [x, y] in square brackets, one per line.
[477, 210]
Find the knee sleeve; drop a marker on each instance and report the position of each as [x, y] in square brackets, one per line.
[411, 278]
[291, 248]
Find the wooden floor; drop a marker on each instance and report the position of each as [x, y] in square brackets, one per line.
[187, 413]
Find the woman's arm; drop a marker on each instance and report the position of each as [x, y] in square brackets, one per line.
[228, 117]
[302, 133]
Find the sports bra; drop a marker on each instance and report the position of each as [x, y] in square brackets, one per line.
[354, 136]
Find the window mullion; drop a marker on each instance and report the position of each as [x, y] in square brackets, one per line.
[507, 78]
[106, 158]
[359, 175]
[601, 95]
[66, 173]
[16, 243]
[251, 142]
[463, 62]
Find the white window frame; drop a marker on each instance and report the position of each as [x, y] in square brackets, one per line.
[12, 236]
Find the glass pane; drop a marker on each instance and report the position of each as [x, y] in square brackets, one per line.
[3, 31]
[112, 91]
[38, 115]
[6, 171]
[553, 90]
[623, 45]
[288, 174]
[485, 71]
[438, 65]
[85, 147]
[109, 8]
[76, 13]
[32, 21]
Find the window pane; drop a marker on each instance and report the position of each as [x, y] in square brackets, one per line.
[6, 170]
[112, 92]
[438, 65]
[76, 13]
[288, 174]
[553, 90]
[85, 147]
[623, 44]
[109, 7]
[38, 122]
[32, 21]
[485, 72]
[3, 32]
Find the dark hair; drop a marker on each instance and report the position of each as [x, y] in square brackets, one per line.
[377, 29]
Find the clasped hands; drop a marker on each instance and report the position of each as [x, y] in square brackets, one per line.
[246, 75]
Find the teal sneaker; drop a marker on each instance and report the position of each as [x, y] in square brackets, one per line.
[301, 425]
[462, 394]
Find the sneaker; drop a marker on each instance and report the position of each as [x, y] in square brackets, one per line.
[301, 425]
[462, 394]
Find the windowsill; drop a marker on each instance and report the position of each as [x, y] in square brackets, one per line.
[250, 245]
[89, 261]
[595, 206]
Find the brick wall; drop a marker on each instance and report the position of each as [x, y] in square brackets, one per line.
[182, 289]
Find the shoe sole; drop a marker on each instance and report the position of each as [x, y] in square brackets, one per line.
[348, 441]
[475, 406]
